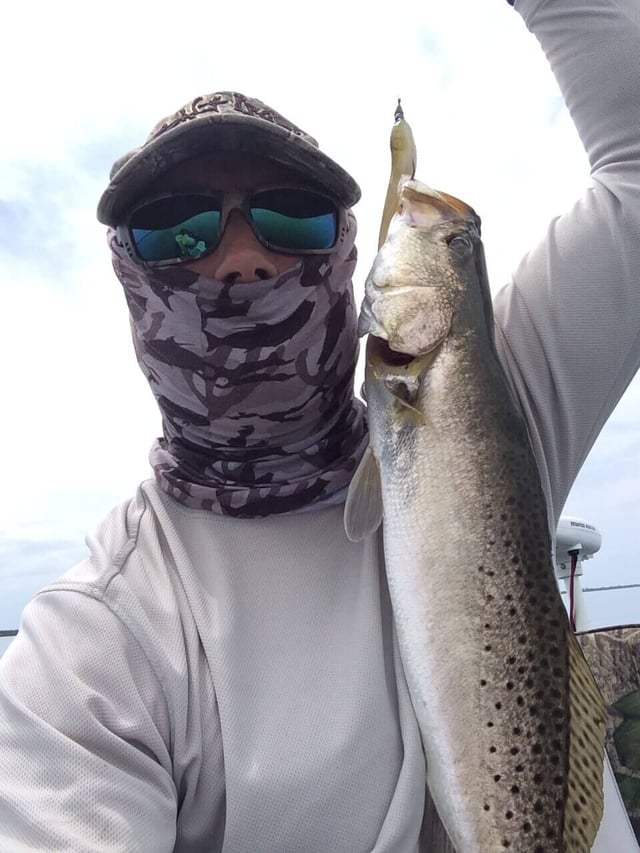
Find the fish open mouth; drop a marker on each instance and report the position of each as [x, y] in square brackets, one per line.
[381, 351]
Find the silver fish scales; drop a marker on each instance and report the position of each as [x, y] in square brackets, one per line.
[511, 720]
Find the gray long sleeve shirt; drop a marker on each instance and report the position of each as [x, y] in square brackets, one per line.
[204, 683]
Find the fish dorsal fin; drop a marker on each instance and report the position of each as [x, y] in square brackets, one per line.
[363, 507]
[587, 715]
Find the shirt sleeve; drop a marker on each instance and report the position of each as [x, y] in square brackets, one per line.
[568, 325]
[84, 735]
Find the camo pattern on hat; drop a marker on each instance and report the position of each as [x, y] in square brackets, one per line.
[226, 122]
[254, 382]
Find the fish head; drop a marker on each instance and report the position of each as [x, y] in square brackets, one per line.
[429, 277]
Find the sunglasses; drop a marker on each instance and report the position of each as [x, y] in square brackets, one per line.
[183, 227]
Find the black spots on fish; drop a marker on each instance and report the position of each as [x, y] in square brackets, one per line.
[521, 758]
[523, 681]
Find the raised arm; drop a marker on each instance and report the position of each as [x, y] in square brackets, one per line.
[569, 322]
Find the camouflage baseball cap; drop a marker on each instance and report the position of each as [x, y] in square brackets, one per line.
[226, 122]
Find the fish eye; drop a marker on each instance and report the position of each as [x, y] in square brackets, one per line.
[460, 243]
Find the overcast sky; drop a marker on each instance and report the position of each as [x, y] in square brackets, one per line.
[82, 84]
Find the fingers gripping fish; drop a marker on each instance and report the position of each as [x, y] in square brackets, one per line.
[511, 720]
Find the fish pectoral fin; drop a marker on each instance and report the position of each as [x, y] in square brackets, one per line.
[405, 390]
[363, 507]
[411, 414]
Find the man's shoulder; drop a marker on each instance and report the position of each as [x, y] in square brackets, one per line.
[134, 580]
[111, 543]
[132, 552]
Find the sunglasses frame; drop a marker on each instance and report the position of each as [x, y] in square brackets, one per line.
[232, 200]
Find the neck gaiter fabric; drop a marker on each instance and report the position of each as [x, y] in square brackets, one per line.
[254, 382]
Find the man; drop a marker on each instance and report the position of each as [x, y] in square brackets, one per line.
[221, 674]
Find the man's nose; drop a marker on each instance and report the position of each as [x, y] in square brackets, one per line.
[240, 257]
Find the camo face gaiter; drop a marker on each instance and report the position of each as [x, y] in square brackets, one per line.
[254, 383]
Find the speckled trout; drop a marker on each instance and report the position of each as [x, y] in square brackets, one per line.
[511, 720]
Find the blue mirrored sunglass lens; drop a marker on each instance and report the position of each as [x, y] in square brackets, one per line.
[287, 232]
[296, 220]
[175, 228]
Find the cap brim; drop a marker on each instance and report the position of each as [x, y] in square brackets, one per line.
[223, 132]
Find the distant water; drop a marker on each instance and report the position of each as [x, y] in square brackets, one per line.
[4, 644]
[606, 608]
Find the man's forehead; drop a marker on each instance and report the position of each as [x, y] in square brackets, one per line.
[226, 172]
